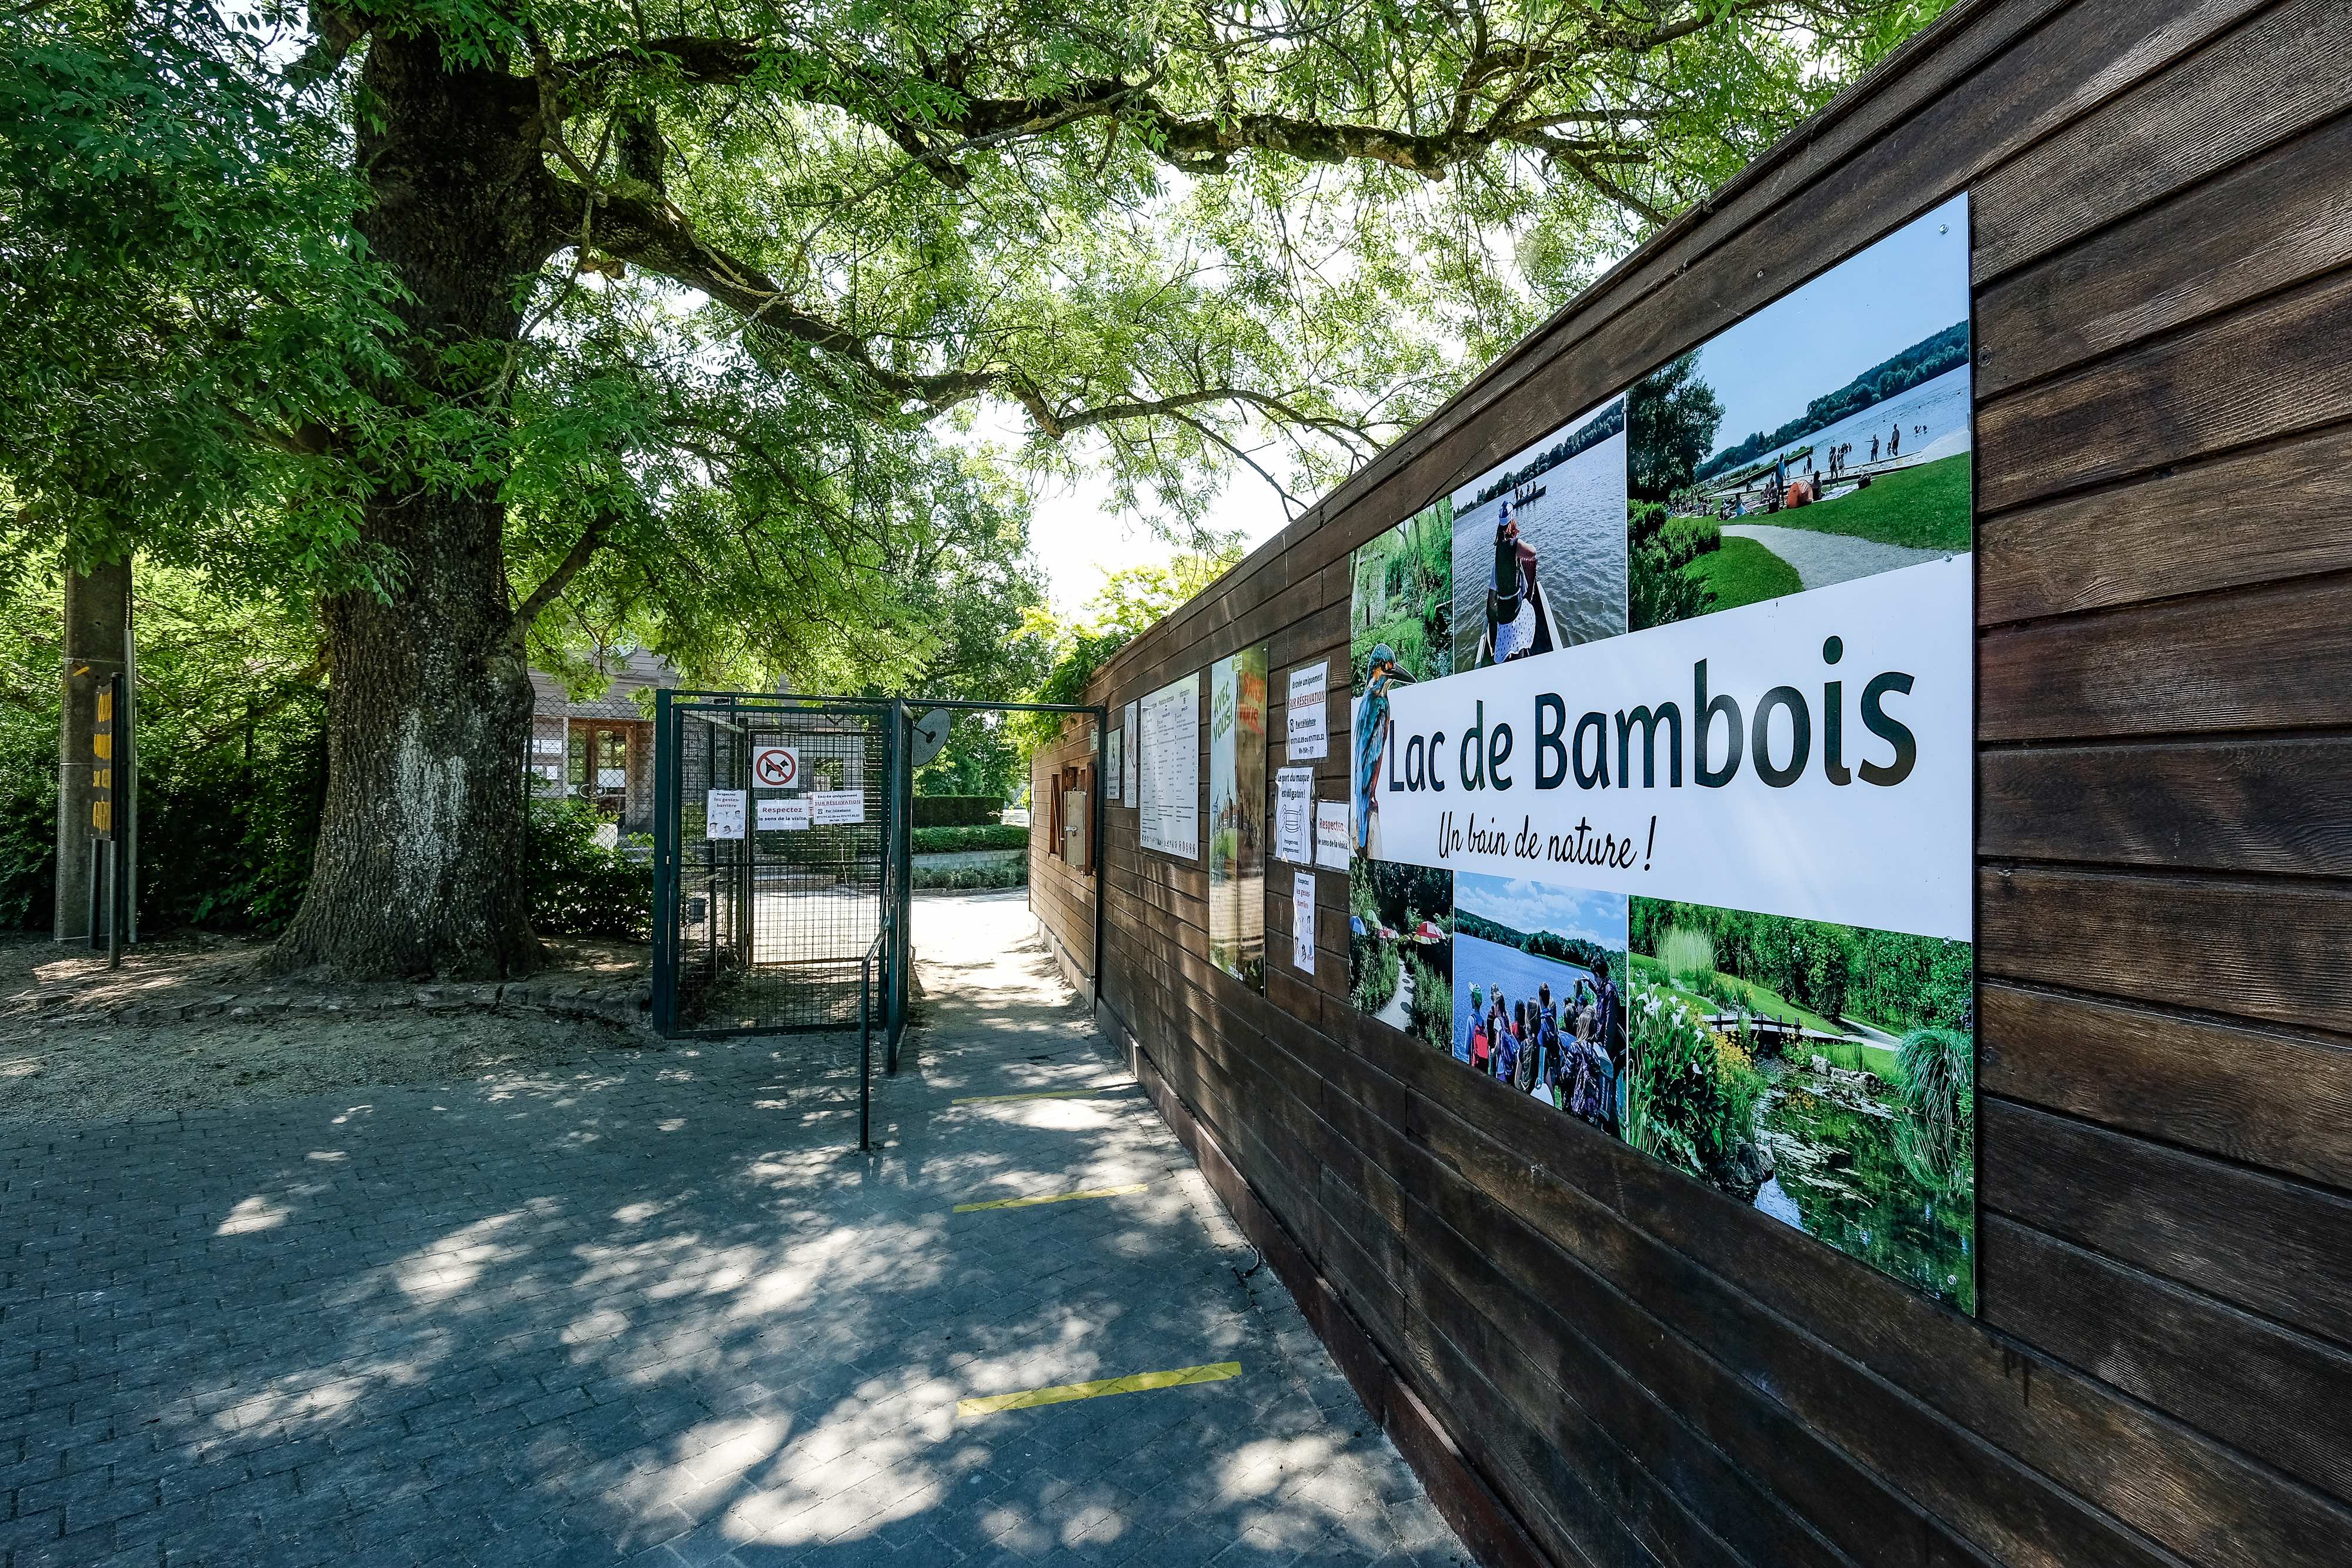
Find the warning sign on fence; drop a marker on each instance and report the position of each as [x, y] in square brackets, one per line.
[776, 768]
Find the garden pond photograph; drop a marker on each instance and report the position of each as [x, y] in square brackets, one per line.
[1824, 1074]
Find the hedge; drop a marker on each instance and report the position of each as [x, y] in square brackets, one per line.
[957, 810]
[987, 836]
[970, 878]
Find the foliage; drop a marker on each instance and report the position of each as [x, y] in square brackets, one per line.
[1890, 978]
[981, 836]
[1690, 1094]
[186, 306]
[1373, 968]
[1660, 591]
[232, 746]
[1923, 362]
[1127, 604]
[980, 758]
[1011, 872]
[957, 810]
[1935, 1083]
[1670, 418]
[29, 825]
[580, 888]
[1429, 1016]
[1683, 539]
[1687, 956]
[1403, 594]
[1925, 506]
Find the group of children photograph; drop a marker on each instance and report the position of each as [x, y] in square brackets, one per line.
[1562, 1050]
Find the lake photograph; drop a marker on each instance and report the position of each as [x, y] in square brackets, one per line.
[1555, 577]
[1538, 989]
[1826, 438]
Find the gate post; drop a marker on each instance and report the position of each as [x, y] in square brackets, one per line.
[898, 880]
[664, 911]
[1098, 837]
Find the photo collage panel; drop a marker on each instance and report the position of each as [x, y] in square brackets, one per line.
[1822, 1072]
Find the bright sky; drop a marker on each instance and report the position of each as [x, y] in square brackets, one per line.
[1080, 541]
[1532, 906]
[1910, 286]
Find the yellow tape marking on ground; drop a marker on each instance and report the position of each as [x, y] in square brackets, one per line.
[1041, 1094]
[1134, 1383]
[1053, 1197]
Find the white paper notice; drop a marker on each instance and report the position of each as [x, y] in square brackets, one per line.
[1309, 736]
[1171, 721]
[1331, 834]
[1294, 815]
[1114, 752]
[1128, 792]
[1302, 921]
[834, 808]
[722, 813]
[777, 816]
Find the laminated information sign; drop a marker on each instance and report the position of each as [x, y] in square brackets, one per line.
[837, 808]
[722, 813]
[1170, 719]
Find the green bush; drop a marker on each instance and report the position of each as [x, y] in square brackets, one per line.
[1684, 539]
[1690, 1095]
[1659, 592]
[28, 827]
[957, 810]
[225, 834]
[1429, 1017]
[1687, 956]
[1373, 965]
[580, 888]
[1010, 872]
[1936, 1082]
[980, 836]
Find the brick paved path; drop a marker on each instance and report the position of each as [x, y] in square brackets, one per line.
[662, 1311]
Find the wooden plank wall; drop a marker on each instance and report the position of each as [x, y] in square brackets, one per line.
[1059, 896]
[1645, 1372]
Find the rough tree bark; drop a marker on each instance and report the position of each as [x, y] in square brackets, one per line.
[421, 849]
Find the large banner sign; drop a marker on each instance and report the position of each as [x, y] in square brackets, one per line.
[1663, 742]
[1808, 756]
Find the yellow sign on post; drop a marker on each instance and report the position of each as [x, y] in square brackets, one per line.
[101, 772]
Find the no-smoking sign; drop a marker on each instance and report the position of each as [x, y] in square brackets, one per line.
[775, 768]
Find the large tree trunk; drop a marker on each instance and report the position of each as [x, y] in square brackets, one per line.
[420, 861]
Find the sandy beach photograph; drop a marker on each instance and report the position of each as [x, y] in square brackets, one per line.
[1826, 438]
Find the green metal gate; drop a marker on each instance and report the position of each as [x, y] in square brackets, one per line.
[779, 864]
[783, 860]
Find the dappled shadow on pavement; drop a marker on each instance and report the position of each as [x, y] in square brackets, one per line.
[660, 1309]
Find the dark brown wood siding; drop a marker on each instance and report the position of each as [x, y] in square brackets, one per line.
[1061, 896]
[1600, 1362]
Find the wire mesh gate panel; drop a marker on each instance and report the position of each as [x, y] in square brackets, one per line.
[773, 875]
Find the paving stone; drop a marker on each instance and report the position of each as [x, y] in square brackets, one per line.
[657, 1309]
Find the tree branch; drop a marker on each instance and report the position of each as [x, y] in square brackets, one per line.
[335, 33]
[540, 598]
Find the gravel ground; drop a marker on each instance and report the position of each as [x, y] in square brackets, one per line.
[58, 1068]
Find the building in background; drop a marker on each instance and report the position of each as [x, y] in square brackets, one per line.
[601, 750]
